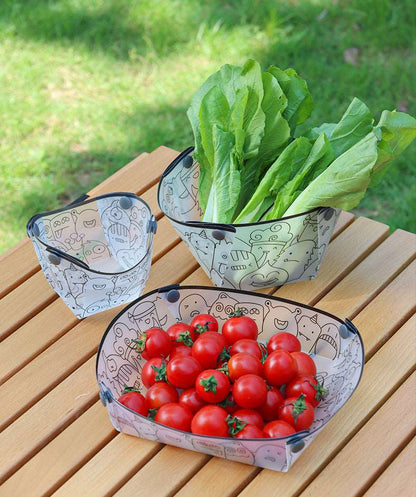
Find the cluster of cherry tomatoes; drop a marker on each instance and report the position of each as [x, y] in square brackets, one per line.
[225, 384]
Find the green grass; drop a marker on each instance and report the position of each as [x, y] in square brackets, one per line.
[86, 85]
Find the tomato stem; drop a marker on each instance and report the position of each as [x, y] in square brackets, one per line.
[320, 391]
[127, 389]
[298, 406]
[235, 425]
[237, 313]
[209, 384]
[161, 374]
[185, 338]
[140, 342]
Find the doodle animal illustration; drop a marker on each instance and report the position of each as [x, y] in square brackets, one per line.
[119, 372]
[94, 252]
[328, 342]
[280, 318]
[76, 280]
[220, 260]
[60, 228]
[308, 332]
[223, 306]
[238, 452]
[241, 263]
[192, 305]
[203, 247]
[296, 258]
[87, 223]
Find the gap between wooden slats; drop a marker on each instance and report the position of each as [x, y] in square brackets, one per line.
[399, 478]
[194, 455]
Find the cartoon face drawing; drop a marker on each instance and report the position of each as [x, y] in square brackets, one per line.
[76, 280]
[280, 318]
[115, 215]
[253, 311]
[328, 342]
[87, 223]
[264, 277]
[203, 247]
[296, 258]
[238, 452]
[240, 264]
[99, 284]
[191, 306]
[223, 307]
[267, 244]
[93, 252]
[308, 332]
[119, 372]
[61, 227]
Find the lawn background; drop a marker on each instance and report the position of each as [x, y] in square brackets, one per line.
[87, 85]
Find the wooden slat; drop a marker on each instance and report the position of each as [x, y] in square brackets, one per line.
[375, 233]
[389, 310]
[173, 461]
[373, 439]
[62, 456]
[21, 262]
[369, 395]
[345, 219]
[348, 249]
[399, 479]
[38, 425]
[368, 278]
[82, 339]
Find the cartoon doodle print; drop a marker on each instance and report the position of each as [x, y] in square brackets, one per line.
[296, 258]
[281, 318]
[323, 340]
[254, 311]
[192, 305]
[119, 372]
[271, 456]
[144, 315]
[223, 306]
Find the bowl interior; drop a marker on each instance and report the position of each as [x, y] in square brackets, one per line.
[110, 234]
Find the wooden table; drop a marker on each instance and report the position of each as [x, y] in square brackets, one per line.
[57, 437]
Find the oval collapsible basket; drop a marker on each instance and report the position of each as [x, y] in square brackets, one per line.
[335, 345]
[96, 254]
[244, 256]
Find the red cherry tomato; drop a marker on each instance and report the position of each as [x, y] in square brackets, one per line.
[182, 371]
[244, 363]
[180, 350]
[207, 351]
[279, 368]
[212, 386]
[210, 420]
[190, 398]
[238, 327]
[161, 393]
[214, 335]
[181, 333]
[278, 429]
[250, 416]
[204, 322]
[304, 363]
[309, 386]
[134, 400]
[154, 343]
[175, 416]
[298, 412]
[274, 400]
[247, 345]
[250, 431]
[154, 370]
[250, 391]
[284, 341]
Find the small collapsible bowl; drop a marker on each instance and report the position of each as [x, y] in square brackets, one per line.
[96, 252]
[244, 256]
[335, 345]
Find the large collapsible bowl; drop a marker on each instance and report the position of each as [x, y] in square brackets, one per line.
[95, 253]
[244, 256]
[335, 344]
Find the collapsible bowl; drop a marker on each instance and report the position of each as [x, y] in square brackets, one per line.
[96, 252]
[244, 256]
[336, 347]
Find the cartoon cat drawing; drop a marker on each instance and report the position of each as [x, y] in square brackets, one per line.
[203, 248]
